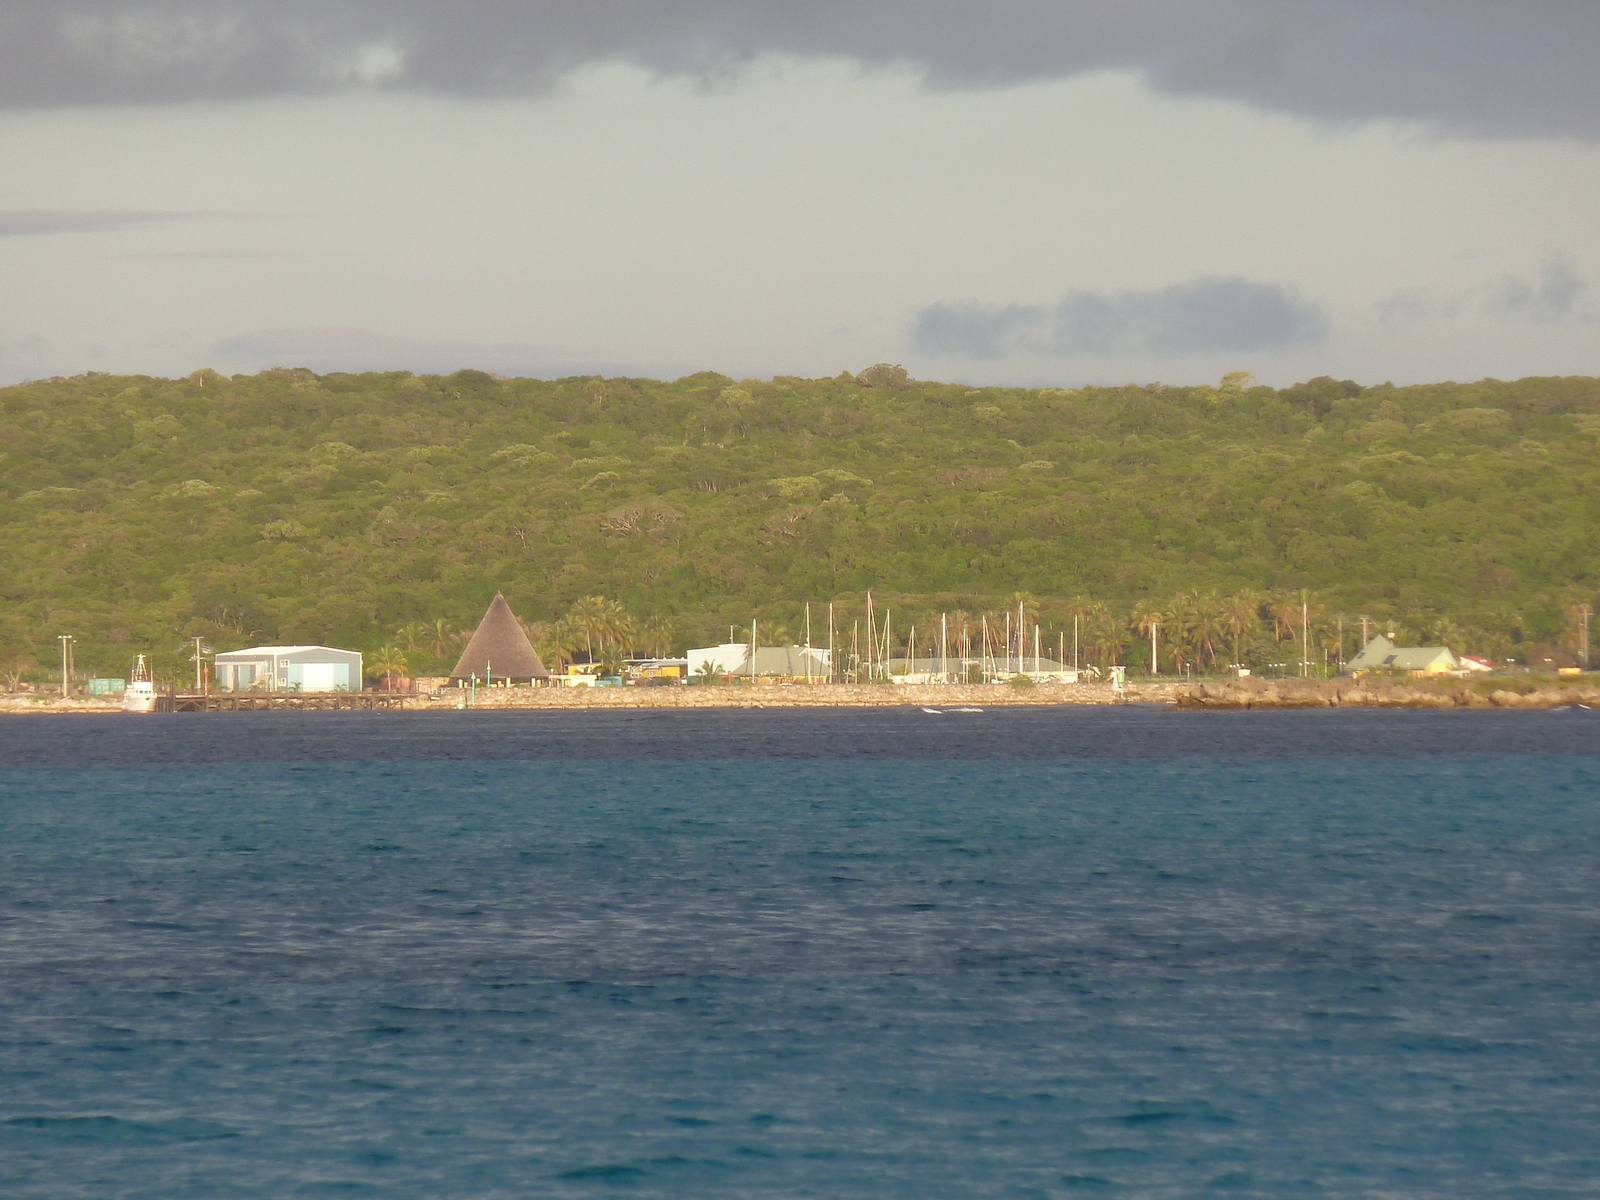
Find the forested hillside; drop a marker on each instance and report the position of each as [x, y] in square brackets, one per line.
[294, 507]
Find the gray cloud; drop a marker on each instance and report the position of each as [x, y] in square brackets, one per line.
[1209, 315]
[23, 222]
[1554, 296]
[1476, 65]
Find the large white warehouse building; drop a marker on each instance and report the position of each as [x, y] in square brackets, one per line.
[289, 669]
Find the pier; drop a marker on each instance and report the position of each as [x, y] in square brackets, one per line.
[285, 701]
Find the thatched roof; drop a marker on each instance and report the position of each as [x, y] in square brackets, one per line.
[499, 646]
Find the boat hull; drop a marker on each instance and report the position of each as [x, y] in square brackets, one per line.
[139, 699]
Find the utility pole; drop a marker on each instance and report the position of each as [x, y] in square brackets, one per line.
[1305, 638]
[1075, 641]
[1585, 637]
[199, 661]
[1155, 632]
[66, 664]
[1341, 642]
[1365, 621]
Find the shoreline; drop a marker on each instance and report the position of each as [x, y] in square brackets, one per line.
[761, 696]
[1215, 695]
[1383, 692]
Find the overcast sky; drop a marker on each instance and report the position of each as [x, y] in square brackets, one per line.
[1016, 191]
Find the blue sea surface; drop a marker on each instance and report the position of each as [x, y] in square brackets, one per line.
[877, 953]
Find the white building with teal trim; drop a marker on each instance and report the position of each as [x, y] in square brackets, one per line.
[289, 669]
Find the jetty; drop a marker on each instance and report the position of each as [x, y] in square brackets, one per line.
[281, 701]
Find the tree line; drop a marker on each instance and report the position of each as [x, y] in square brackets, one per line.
[292, 507]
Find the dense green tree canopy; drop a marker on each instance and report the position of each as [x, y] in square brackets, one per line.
[344, 508]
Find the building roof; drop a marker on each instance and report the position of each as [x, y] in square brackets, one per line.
[786, 660]
[771, 661]
[1380, 654]
[499, 649]
[259, 651]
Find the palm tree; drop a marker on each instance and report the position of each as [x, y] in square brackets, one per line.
[1444, 631]
[1030, 607]
[1179, 618]
[440, 637]
[554, 641]
[619, 629]
[389, 664]
[1241, 618]
[656, 636]
[1285, 611]
[589, 616]
[1107, 637]
[771, 633]
[1207, 626]
[1146, 620]
[413, 636]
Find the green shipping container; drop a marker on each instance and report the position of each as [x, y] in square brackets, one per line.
[104, 687]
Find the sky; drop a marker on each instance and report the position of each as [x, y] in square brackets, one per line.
[1011, 192]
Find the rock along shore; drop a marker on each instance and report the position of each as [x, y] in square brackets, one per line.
[815, 696]
[1381, 692]
[775, 696]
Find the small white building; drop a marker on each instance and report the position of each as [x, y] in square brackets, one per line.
[289, 669]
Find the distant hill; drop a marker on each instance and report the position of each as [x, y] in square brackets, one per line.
[292, 507]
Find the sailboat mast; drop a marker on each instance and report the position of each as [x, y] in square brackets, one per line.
[872, 637]
[807, 655]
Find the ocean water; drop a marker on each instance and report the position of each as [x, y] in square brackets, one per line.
[1022, 953]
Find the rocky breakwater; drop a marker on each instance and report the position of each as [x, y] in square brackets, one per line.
[1380, 692]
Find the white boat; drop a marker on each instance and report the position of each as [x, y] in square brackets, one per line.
[140, 694]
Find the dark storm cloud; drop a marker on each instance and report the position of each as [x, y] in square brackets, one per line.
[1209, 315]
[1554, 296]
[1478, 65]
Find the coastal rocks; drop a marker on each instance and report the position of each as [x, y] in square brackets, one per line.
[931, 696]
[1256, 693]
[1376, 692]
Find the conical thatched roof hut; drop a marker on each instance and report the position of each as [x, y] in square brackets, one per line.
[499, 649]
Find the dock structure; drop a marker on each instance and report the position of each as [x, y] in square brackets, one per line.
[282, 701]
